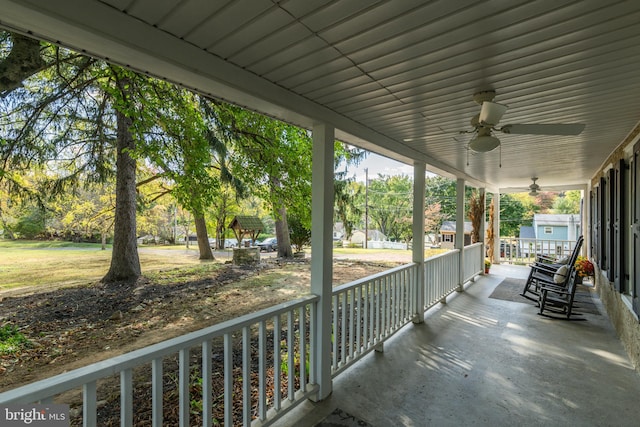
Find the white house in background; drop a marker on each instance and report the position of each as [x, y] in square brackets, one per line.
[550, 233]
[448, 234]
[358, 236]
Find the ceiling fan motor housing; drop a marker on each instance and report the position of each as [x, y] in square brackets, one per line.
[484, 96]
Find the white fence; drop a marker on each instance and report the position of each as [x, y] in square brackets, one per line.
[383, 244]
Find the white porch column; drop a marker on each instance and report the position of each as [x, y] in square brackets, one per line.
[322, 256]
[483, 232]
[418, 237]
[496, 228]
[460, 229]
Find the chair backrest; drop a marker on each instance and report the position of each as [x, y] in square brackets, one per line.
[576, 252]
[570, 273]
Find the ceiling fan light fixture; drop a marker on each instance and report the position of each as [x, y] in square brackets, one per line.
[491, 113]
[533, 193]
[484, 143]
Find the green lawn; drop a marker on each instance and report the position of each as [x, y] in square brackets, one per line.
[360, 251]
[62, 264]
[26, 263]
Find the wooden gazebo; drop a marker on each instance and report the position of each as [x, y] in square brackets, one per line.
[243, 225]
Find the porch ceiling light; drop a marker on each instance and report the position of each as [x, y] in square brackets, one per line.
[484, 143]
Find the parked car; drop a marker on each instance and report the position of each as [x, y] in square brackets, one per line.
[269, 244]
[230, 243]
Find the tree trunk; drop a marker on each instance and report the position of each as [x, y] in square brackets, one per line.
[6, 228]
[103, 239]
[125, 264]
[282, 234]
[203, 237]
[220, 230]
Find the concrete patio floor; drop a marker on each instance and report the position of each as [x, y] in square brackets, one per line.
[479, 361]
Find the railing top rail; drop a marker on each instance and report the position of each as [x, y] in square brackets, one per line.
[442, 255]
[76, 378]
[385, 273]
[473, 245]
[532, 239]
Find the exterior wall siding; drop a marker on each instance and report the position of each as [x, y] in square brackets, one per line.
[557, 232]
[619, 311]
[621, 317]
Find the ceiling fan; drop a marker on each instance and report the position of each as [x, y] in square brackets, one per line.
[533, 188]
[486, 123]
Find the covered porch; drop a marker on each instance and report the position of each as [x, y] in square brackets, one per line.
[483, 361]
[402, 81]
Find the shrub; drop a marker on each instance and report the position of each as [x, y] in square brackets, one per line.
[11, 339]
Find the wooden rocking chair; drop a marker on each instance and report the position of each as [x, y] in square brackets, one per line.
[544, 272]
[559, 299]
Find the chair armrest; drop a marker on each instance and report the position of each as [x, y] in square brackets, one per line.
[546, 259]
[553, 287]
[545, 268]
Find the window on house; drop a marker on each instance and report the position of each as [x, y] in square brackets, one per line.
[594, 224]
[611, 226]
[617, 250]
[635, 227]
[604, 224]
[625, 195]
[548, 230]
[447, 237]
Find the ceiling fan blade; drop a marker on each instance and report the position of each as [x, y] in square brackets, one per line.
[491, 113]
[544, 129]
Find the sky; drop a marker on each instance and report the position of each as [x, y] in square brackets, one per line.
[377, 164]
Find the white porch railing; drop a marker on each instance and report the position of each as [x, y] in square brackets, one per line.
[261, 357]
[515, 250]
[473, 261]
[441, 272]
[368, 311]
[265, 359]
[440, 277]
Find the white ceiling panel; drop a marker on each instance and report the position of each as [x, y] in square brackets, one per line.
[151, 11]
[283, 39]
[297, 59]
[263, 26]
[222, 20]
